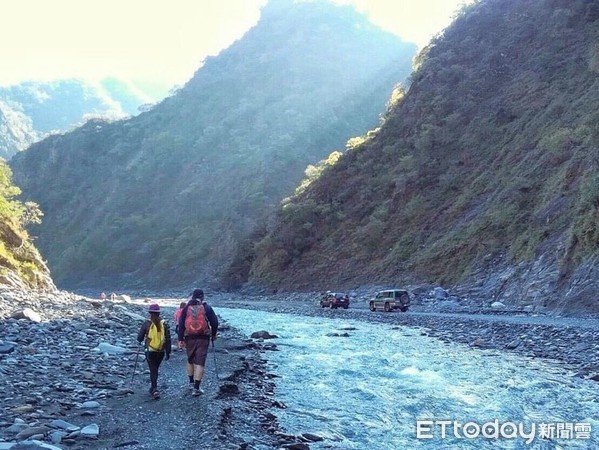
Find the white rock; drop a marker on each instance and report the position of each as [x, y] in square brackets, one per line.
[90, 431]
[90, 404]
[104, 347]
[497, 305]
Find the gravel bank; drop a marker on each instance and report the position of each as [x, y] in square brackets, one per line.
[67, 371]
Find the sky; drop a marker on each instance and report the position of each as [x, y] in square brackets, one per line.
[159, 41]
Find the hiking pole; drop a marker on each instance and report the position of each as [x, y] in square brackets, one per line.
[136, 358]
[214, 355]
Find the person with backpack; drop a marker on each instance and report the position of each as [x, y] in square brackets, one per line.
[156, 335]
[198, 325]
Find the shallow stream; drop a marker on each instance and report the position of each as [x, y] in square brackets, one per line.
[365, 386]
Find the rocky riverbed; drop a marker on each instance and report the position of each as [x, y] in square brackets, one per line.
[66, 365]
[67, 370]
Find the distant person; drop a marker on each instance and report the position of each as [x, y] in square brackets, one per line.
[155, 334]
[198, 324]
[176, 318]
[113, 296]
[103, 296]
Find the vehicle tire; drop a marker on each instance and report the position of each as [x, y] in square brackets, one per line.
[387, 307]
[321, 305]
[371, 306]
[404, 309]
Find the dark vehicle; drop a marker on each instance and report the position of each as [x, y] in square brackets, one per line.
[390, 299]
[334, 300]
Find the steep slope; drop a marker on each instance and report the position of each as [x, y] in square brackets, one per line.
[21, 266]
[16, 130]
[163, 199]
[484, 177]
[30, 110]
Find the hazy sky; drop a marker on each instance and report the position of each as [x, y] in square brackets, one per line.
[158, 40]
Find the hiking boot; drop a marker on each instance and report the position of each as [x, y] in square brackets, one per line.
[156, 395]
[197, 392]
[190, 386]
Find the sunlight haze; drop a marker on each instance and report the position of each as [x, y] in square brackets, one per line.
[155, 41]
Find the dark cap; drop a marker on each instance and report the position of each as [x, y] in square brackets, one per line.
[197, 293]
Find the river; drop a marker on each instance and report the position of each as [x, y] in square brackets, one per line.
[385, 387]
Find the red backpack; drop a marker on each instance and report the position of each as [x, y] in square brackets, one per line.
[196, 321]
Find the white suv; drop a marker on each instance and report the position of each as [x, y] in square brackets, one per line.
[390, 299]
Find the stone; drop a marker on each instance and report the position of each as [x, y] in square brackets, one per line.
[64, 425]
[262, 334]
[34, 445]
[440, 293]
[104, 347]
[90, 404]
[6, 348]
[31, 315]
[31, 431]
[90, 431]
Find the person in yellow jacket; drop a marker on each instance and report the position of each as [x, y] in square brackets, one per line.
[156, 335]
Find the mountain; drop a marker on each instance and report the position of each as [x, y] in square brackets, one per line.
[30, 110]
[164, 199]
[484, 176]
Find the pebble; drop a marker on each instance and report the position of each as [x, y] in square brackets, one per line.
[69, 354]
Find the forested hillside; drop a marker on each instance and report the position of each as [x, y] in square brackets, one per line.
[20, 263]
[484, 176]
[164, 199]
[30, 110]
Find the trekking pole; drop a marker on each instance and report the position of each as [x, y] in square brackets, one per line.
[214, 355]
[136, 358]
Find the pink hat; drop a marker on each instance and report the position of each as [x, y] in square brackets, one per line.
[154, 308]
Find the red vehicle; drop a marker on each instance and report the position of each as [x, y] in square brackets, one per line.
[335, 300]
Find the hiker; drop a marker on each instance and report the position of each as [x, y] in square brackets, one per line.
[156, 335]
[176, 320]
[103, 296]
[197, 325]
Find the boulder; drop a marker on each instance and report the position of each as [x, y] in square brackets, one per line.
[28, 314]
[262, 334]
[440, 293]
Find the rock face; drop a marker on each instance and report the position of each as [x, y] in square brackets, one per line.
[21, 266]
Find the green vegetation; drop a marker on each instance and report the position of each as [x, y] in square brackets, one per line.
[165, 199]
[492, 152]
[30, 110]
[18, 256]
